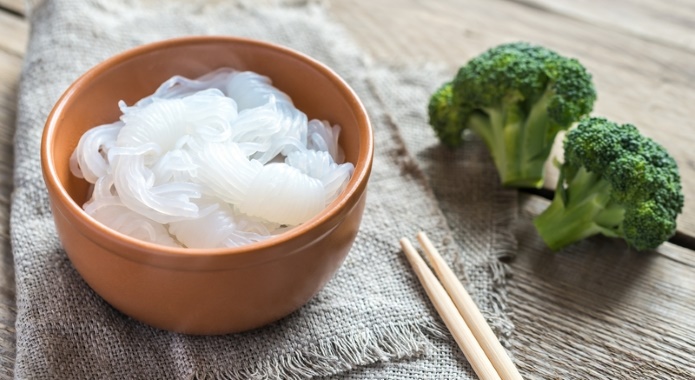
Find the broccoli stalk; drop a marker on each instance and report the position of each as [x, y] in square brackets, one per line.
[516, 97]
[585, 210]
[519, 144]
[614, 182]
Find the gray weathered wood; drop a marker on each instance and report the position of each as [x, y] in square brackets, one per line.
[598, 310]
[14, 31]
[15, 6]
[667, 22]
[641, 81]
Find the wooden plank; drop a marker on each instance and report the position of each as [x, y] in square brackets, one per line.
[15, 33]
[639, 81]
[16, 6]
[10, 67]
[668, 22]
[599, 310]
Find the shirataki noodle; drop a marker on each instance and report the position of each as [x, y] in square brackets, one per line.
[219, 161]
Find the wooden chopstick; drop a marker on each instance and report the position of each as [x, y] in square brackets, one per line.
[450, 315]
[470, 313]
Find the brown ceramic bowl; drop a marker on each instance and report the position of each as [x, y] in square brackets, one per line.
[204, 291]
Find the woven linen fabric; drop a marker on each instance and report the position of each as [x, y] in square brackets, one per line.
[372, 320]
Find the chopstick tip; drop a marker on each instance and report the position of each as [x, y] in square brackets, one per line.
[424, 239]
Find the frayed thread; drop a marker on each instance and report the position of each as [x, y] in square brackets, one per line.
[330, 357]
[504, 243]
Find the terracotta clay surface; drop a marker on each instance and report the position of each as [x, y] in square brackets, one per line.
[204, 291]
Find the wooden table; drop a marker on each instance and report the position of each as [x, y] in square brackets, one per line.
[594, 311]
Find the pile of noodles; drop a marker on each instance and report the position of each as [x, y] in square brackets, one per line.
[219, 161]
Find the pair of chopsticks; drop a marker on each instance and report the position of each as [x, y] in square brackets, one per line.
[460, 314]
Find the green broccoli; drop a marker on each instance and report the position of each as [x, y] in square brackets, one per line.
[614, 182]
[517, 97]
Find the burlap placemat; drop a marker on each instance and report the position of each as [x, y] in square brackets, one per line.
[372, 320]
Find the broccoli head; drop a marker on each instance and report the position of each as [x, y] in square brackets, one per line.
[517, 97]
[614, 182]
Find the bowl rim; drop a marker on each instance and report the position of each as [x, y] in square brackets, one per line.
[291, 239]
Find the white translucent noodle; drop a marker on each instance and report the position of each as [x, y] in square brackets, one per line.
[206, 115]
[106, 207]
[89, 160]
[320, 165]
[179, 87]
[324, 137]
[252, 90]
[232, 173]
[163, 203]
[176, 165]
[218, 161]
[128, 222]
[283, 194]
[270, 129]
[221, 228]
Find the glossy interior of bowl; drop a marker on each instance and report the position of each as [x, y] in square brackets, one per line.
[92, 100]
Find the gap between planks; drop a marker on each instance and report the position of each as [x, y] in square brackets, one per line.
[15, 7]
[668, 22]
[679, 240]
[638, 81]
[14, 30]
[599, 310]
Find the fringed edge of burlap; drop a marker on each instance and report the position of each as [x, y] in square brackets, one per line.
[504, 245]
[503, 250]
[337, 355]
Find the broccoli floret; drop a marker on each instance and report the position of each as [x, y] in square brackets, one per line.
[614, 182]
[517, 97]
[444, 116]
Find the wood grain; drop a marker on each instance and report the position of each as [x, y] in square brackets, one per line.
[12, 6]
[667, 22]
[639, 81]
[599, 310]
[10, 67]
[15, 32]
